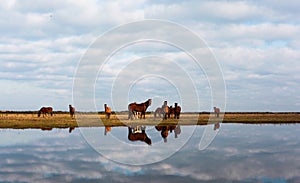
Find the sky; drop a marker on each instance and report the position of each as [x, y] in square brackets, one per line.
[255, 43]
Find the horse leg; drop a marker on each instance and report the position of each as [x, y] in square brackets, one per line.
[165, 116]
[130, 114]
[144, 114]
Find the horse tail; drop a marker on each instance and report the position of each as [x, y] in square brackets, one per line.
[129, 111]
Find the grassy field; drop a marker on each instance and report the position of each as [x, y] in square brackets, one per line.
[63, 120]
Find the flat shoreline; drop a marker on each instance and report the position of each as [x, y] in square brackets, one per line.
[24, 120]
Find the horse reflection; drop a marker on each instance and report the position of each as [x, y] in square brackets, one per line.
[71, 129]
[177, 131]
[46, 128]
[216, 126]
[107, 129]
[138, 134]
[164, 131]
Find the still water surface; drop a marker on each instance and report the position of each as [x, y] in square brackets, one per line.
[239, 153]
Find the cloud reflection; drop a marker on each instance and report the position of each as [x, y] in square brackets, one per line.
[272, 154]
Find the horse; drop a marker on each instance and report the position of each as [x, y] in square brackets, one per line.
[107, 111]
[45, 111]
[158, 112]
[165, 111]
[177, 110]
[142, 107]
[135, 135]
[171, 111]
[217, 111]
[72, 111]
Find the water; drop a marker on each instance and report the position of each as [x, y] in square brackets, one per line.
[239, 153]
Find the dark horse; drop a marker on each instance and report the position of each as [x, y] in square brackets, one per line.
[177, 110]
[72, 111]
[141, 136]
[174, 111]
[134, 107]
[45, 111]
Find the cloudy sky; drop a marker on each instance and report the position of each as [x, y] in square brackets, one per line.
[256, 44]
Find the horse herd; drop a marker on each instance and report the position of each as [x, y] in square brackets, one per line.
[135, 110]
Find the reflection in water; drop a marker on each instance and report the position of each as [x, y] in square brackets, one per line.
[46, 129]
[216, 126]
[50, 129]
[164, 131]
[138, 133]
[239, 153]
[71, 129]
[107, 129]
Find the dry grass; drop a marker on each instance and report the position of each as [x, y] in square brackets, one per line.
[63, 120]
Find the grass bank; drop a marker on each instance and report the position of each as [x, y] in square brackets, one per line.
[63, 120]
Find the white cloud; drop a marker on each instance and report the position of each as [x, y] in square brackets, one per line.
[256, 42]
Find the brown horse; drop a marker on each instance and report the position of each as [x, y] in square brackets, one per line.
[72, 111]
[217, 111]
[134, 107]
[177, 110]
[45, 111]
[165, 111]
[138, 136]
[107, 111]
[171, 111]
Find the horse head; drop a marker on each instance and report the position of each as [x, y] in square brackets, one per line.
[149, 101]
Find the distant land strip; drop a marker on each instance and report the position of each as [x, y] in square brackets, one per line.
[62, 119]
